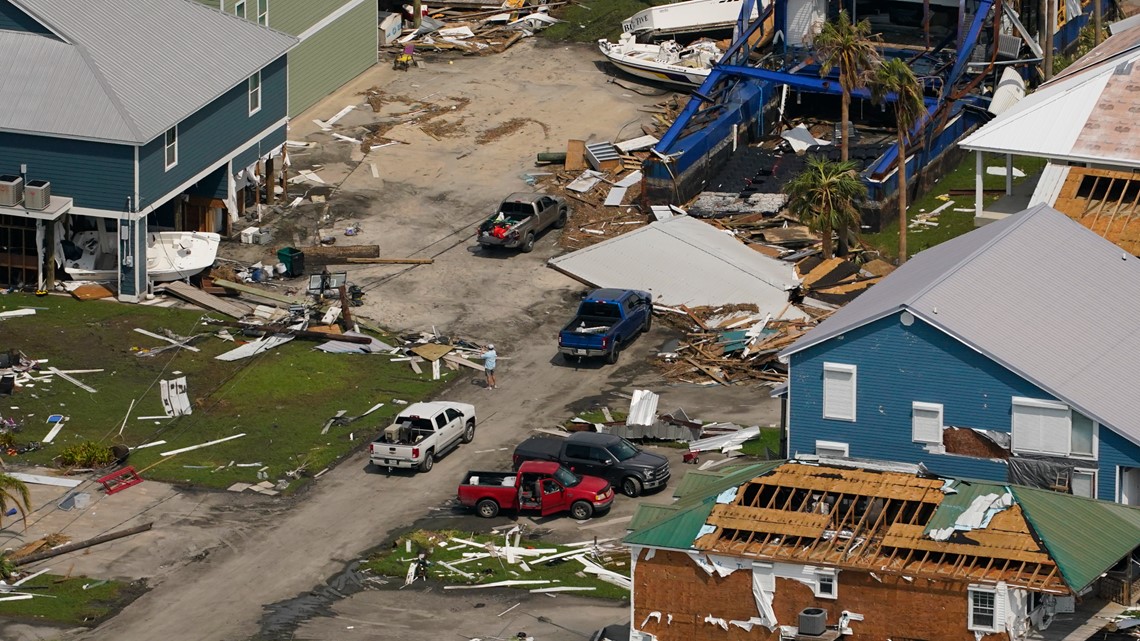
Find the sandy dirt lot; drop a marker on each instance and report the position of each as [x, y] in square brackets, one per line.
[226, 567]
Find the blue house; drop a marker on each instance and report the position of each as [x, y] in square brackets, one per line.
[137, 116]
[1011, 353]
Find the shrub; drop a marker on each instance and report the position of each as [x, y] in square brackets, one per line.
[86, 454]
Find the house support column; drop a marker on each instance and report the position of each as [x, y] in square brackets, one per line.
[270, 184]
[1008, 174]
[979, 172]
[40, 233]
[132, 259]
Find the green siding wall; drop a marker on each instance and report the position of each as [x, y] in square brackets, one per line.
[328, 59]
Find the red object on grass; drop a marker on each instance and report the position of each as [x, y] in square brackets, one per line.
[120, 480]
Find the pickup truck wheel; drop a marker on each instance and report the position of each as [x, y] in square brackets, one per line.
[469, 433]
[631, 487]
[487, 508]
[581, 510]
[612, 357]
[648, 322]
[563, 218]
[527, 243]
[428, 462]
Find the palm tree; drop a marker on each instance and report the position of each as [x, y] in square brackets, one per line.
[895, 77]
[14, 492]
[851, 48]
[824, 197]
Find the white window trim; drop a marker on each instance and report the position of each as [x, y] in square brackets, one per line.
[1087, 470]
[166, 148]
[244, 9]
[851, 369]
[828, 573]
[930, 407]
[833, 445]
[1095, 439]
[250, 91]
[970, 609]
[262, 16]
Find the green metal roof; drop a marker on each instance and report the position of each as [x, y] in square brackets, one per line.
[676, 526]
[1085, 537]
[954, 504]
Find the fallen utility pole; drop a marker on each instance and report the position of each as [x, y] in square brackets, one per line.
[319, 254]
[389, 261]
[72, 547]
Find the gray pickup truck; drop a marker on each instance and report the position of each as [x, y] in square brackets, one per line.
[521, 218]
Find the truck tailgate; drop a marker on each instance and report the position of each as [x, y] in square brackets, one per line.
[393, 452]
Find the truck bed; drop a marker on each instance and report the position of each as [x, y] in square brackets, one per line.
[489, 479]
[590, 325]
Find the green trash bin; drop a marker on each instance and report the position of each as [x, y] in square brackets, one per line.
[294, 261]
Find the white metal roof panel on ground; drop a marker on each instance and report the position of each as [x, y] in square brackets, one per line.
[1036, 292]
[684, 261]
[1081, 109]
[140, 67]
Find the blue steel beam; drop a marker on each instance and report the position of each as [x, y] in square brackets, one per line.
[805, 83]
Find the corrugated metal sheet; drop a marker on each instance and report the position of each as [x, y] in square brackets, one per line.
[146, 65]
[642, 408]
[1049, 184]
[659, 430]
[1085, 537]
[1042, 319]
[684, 261]
[955, 503]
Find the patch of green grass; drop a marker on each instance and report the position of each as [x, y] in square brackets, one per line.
[769, 438]
[596, 416]
[280, 399]
[67, 602]
[950, 223]
[590, 20]
[436, 544]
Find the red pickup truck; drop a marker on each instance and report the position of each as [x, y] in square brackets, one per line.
[543, 486]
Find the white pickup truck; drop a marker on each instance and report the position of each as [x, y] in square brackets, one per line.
[423, 432]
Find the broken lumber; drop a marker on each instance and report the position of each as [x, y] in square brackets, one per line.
[256, 291]
[332, 254]
[389, 261]
[72, 547]
[206, 300]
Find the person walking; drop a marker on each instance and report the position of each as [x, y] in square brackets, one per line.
[489, 357]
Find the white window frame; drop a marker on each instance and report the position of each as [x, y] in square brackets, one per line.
[1095, 438]
[832, 576]
[848, 369]
[240, 9]
[252, 91]
[1054, 405]
[973, 627]
[262, 12]
[1089, 471]
[833, 445]
[918, 406]
[170, 143]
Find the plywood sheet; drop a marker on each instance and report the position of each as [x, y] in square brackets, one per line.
[91, 291]
[575, 155]
[432, 351]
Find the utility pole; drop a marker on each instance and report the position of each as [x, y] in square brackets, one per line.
[1098, 9]
[417, 12]
[1050, 18]
[1042, 28]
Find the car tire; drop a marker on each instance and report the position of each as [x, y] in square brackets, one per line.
[428, 462]
[469, 431]
[648, 322]
[612, 357]
[527, 245]
[581, 511]
[487, 508]
[563, 218]
[631, 487]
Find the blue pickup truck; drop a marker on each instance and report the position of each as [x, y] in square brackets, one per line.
[607, 320]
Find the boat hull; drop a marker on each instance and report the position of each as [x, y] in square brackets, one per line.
[170, 256]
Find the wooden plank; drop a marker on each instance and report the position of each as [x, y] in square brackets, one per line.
[71, 380]
[389, 261]
[182, 344]
[91, 291]
[575, 155]
[255, 291]
[459, 360]
[432, 351]
[206, 300]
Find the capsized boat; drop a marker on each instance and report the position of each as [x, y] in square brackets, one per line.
[691, 16]
[664, 62]
[170, 255]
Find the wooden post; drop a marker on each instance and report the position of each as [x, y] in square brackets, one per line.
[417, 10]
[1098, 9]
[1042, 27]
[270, 186]
[345, 315]
[285, 173]
[1050, 20]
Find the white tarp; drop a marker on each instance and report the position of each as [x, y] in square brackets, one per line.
[799, 138]
[976, 516]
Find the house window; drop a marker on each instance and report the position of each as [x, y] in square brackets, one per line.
[263, 12]
[826, 586]
[171, 147]
[255, 93]
[239, 9]
[1084, 483]
[1050, 427]
[832, 449]
[983, 610]
[926, 423]
[839, 391]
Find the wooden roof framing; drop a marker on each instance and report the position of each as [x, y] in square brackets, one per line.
[874, 521]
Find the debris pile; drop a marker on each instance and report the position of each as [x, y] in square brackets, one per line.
[477, 27]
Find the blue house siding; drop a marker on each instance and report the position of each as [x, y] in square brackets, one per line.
[213, 185]
[272, 141]
[897, 365]
[13, 19]
[97, 175]
[212, 133]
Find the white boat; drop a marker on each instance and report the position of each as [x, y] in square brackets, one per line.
[691, 16]
[170, 255]
[665, 62]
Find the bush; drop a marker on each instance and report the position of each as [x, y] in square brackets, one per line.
[87, 454]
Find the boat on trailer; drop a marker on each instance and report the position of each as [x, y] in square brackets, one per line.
[170, 255]
[664, 62]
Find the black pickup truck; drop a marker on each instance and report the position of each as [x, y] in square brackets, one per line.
[626, 466]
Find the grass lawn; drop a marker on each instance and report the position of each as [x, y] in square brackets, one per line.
[280, 399]
[66, 602]
[950, 223]
[589, 20]
[437, 545]
[769, 438]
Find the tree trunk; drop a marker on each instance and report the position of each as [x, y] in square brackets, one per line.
[826, 237]
[844, 115]
[902, 194]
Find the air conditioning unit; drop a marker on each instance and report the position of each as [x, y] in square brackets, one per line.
[11, 190]
[813, 622]
[37, 195]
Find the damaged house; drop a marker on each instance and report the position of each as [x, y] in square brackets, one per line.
[830, 548]
[1006, 354]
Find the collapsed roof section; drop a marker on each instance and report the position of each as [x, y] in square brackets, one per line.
[844, 515]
